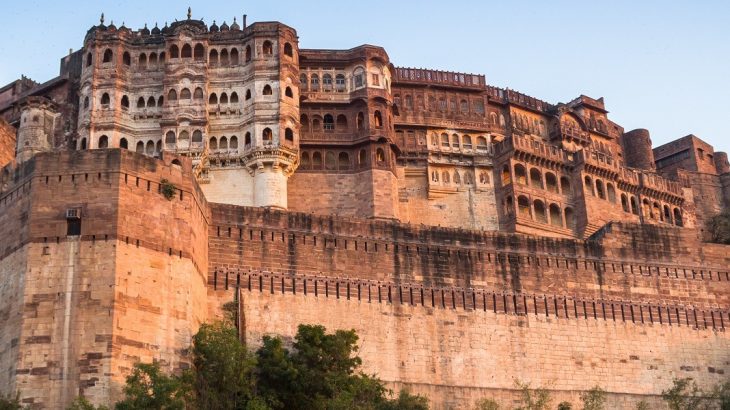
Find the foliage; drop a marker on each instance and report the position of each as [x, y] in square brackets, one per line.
[10, 403]
[223, 368]
[593, 399]
[82, 404]
[533, 399]
[319, 372]
[721, 393]
[168, 189]
[565, 406]
[683, 395]
[149, 388]
[642, 405]
[718, 227]
[487, 404]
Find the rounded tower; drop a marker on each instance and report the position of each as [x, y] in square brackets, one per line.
[38, 120]
[637, 149]
[721, 163]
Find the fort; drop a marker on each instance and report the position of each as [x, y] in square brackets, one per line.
[472, 235]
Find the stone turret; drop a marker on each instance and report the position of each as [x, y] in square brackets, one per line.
[721, 163]
[637, 149]
[38, 120]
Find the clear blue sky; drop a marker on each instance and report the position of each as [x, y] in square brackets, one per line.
[661, 65]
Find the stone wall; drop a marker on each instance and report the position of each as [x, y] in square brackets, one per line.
[7, 143]
[457, 356]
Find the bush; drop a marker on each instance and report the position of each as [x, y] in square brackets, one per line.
[168, 189]
[149, 388]
[10, 403]
[683, 395]
[533, 399]
[82, 404]
[718, 228]
[565, 406]
[642, 405]
[593, 399]
[487, 404]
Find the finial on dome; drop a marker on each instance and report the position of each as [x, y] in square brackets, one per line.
[101, 20]
[190, 13]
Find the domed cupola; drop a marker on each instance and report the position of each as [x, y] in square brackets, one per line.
[214, 28]
[155, 30]
[145, 31]
[235, 26]
[112, 27]
[224, 27]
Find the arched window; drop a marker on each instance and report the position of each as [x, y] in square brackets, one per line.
[199, 52]
[378, 119]
[197, 137]
[380, 156]
[316, 123]
[634, 206]
[434, 176]
[506, 176]
[342, 122]
[305, 163]
[184, 136]
[105, 100]
[174, 51]
[599, 189]
[123, 144]
[611, 192]
[248, 53]
[317, 160]
[464, 106]
[625, 203]
[170, 137]
[455, 141]
[248, 94]
[551, 182]
[565, 186]
[103, 141]
[343, 161]
[288, 92]
[108, 56]
[482, 144]
[82, 144]
[187, 51]
[445, 177]
[162, 57]
[153, 59]
[213, 57]
[466, 142]
[540, 215]
[172, 95]
[484, 178]
[327, 82]
[678, 217]
[304, 122]
[198, 94]
[213, 144]
[86, 102]
[234, 56]
[445, 140]
[158, 146]
[126, 59]
[143, 61]
[667, 215]
[223, 143]
[569, 218]
[247, 140]
[224, 57]
[268, 48]
[457, 178]
[160, 101]
[442, 104]
[288, 50]
[267, 136]
[185, 94]
[289, 135]
[657, 212]
[88, 59]
[556, 216]
[140, 102]
[267, 90]
[303, 82]
[125, 102]
[329, 161]
[360, 120]
[140, 148]
[340, 83]
[520, 174]
[213, 99]
[588, 182]
[329, 122]
[523, 207]
[224, 98]
[234, 98]
[493, 118]
[362, 158]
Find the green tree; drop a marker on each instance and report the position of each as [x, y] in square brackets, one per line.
[683, 395]
[718, 228]
[642, 405]
[721, 393]
[149, 388]
[487, 404]
[533, 399]
[10, 403]
[81, 403]
[593, 399]
[223, 369]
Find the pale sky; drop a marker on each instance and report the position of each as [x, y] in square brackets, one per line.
[660, 65]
